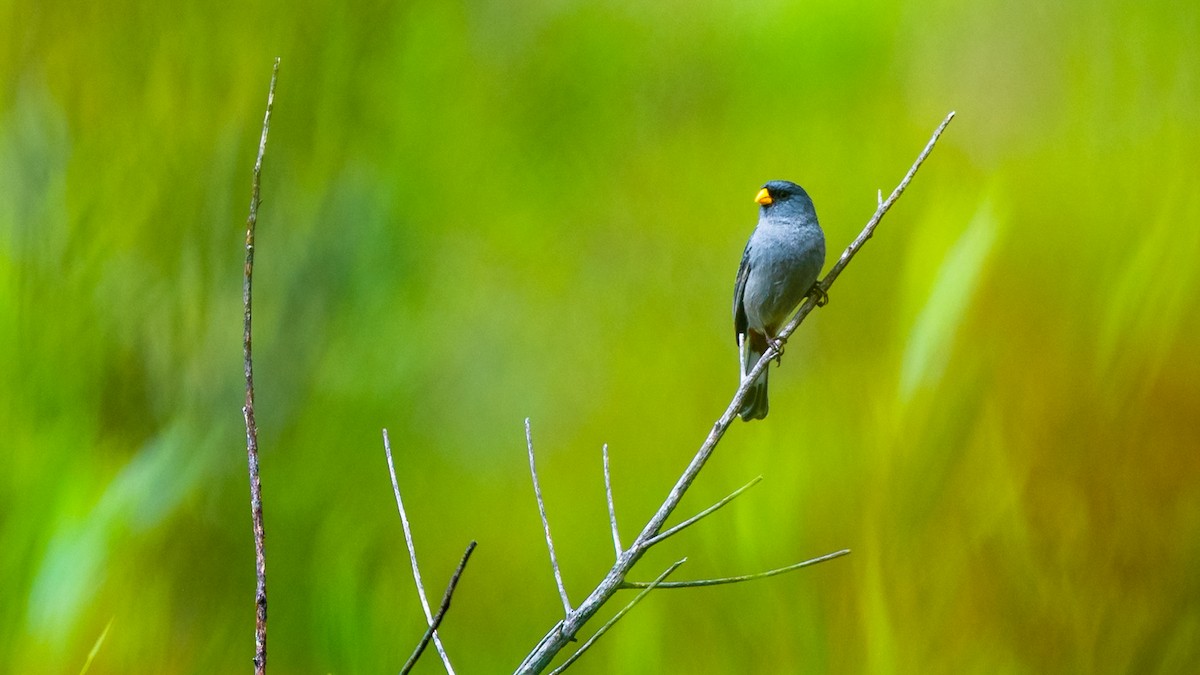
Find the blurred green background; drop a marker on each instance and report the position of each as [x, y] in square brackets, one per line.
[478, 212]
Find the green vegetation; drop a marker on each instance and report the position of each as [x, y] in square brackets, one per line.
[474, 213]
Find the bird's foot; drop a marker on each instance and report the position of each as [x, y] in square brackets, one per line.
[819, 294]
[777, 344]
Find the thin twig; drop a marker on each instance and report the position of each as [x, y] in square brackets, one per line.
[617, 617]
[437, 619]
[696, 583]
[260, 559]
[537, 491]
[706, 512]
[612, 512]
[412, 556]
[564, 631]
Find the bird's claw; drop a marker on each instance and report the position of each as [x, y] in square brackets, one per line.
[819, 294]
[777, 344]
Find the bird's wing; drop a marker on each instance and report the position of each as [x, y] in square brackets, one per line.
[739, 309]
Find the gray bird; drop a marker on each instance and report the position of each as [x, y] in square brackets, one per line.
[779, 268]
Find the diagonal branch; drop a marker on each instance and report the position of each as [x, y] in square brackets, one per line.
[412, 556]
[617, 617]
[537, 492]
[612, 512]
[706, 512]
[260, 558]
[697, 583]
[564, 631]
[437, 619]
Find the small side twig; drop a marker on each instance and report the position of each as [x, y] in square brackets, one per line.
[412, 556]
[441, 614]
[612, 511]
[617, 617]
[706, 512]
[697, 583]
[537, 491]
[260, 559]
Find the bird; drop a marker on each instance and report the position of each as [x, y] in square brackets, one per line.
[779, 268]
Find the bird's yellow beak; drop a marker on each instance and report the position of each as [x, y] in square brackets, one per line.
[763, 197]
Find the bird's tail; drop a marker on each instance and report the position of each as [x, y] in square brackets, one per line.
[754, 406]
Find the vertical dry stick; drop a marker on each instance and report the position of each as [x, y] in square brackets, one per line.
[537, 492]
[260, 560]
[412, 556]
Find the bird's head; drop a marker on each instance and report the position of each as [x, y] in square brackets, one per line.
[778, 193]
[784, 201]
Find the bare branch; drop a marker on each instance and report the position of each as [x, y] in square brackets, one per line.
[733, 580]
[612, 512]
[437, 620]
[537, 491]
[869, 230]
[706, 512]
[412, 556]
[260, 559]
[564, 631]
[617, 617]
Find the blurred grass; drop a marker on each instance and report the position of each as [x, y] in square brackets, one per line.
[475, 212]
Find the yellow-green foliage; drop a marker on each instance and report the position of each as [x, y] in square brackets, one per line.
[478, 212]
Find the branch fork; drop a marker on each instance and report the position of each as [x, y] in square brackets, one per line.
[434, 620]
